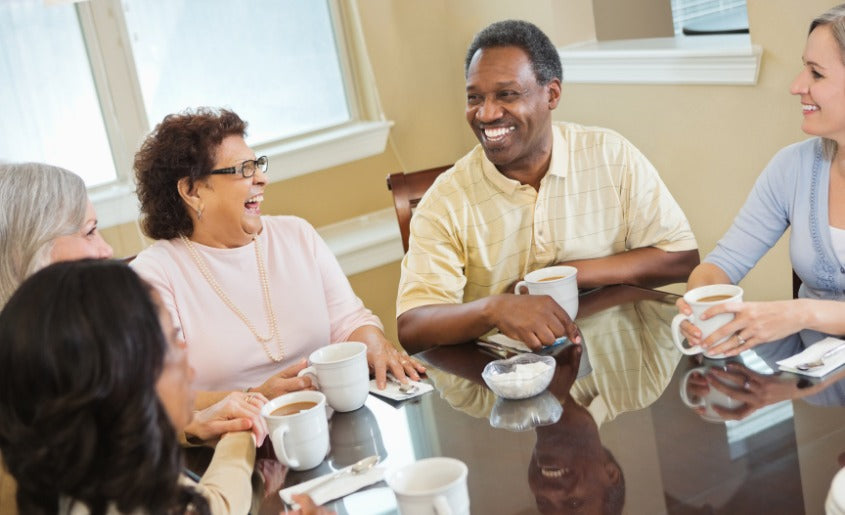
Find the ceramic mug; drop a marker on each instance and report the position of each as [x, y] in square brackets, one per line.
[431, 485]
[301, 437]
[558, 282]
[700, 300]
[341, 372]
[712, 398]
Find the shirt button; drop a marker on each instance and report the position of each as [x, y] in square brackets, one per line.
[842, 269]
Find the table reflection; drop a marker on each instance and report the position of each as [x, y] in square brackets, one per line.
[611, 433]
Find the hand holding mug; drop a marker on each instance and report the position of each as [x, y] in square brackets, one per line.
[697, 321]
[238, 411]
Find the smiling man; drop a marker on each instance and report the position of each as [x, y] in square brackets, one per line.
[532, 194]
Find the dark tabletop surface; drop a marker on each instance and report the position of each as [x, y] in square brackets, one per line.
[624, 442]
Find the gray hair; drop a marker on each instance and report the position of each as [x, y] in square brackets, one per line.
[38, 203]
[835, 19]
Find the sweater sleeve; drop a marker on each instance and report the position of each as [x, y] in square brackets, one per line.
[227, 483]
[762, 220]
[346, 311]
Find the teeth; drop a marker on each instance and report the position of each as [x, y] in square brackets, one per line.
[497, 132]
[257, 198]
[809, 107]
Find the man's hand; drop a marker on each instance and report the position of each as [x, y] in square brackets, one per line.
[535, 320]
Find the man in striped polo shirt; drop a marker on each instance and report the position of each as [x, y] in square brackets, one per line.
[532, 194]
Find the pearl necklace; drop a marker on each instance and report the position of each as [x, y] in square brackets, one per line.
[268, 306]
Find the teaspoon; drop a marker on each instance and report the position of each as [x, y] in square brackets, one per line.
[355, 469]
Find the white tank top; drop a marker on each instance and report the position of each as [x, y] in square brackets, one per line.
[837, 236]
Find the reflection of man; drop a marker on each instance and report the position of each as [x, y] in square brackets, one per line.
[532, 194]
[570, 471]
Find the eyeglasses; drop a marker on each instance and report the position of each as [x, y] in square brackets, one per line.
[247, 168]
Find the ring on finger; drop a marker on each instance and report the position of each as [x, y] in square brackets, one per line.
[746, 385]
[740, 339]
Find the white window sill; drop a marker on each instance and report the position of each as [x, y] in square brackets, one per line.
[728, 59]
[365, 242]
[117, 204]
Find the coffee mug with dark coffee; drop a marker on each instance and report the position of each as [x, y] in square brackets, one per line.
[298, 428]
[700, 300]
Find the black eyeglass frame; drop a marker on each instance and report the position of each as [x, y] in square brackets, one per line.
[260, 163]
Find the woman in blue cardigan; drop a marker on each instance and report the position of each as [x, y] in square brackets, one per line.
[803, 187]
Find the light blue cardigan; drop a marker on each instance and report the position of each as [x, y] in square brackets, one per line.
[792, 190]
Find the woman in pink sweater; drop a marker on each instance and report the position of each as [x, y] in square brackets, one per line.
[252, 295]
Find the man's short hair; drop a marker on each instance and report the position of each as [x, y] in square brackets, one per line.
[527, 36]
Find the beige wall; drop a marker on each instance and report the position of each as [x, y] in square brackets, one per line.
[709, 142]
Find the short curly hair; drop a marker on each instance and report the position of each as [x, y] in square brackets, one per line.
[182, 145]
[527, 36]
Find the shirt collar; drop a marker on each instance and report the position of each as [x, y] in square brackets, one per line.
[557, 164]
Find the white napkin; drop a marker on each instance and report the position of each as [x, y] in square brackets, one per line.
[391, 391]
[334, 488]
[812, 353]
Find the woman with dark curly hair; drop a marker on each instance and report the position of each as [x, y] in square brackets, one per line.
[92, 395]
[253, 295]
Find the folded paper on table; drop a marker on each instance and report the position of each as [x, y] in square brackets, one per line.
[334, 488]
[391, 391]
[813, 353]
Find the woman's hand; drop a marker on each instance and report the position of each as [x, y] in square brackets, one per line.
[754, 323]
[383, 356]
[753, 390]
[238, 411]
[285, 381]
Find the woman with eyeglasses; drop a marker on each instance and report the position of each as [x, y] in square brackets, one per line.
[252, 295]
[92, 424]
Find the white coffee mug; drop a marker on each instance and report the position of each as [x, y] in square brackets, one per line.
[431, 485]
[300, 439]
[712, 398]
[559, 282]
[700, 300]
[340, 371]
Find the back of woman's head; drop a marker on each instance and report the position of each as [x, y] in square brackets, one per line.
[38, 203]
[81, 349]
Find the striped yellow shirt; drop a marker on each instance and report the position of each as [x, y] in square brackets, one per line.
[477, 231]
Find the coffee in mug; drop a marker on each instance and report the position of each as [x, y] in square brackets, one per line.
[301, 438]
[293, 408]
[553, 278]
[559, 282]
[700, 300]
[714, 298]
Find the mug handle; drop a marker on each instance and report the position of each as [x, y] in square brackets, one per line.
[276, 437]
[441, 505]
[677, 338]
[519, 286]
[684, 396]
[311, 371]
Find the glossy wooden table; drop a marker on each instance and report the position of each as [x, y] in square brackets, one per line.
[625, 441]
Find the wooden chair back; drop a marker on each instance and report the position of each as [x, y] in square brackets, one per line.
[408, 189]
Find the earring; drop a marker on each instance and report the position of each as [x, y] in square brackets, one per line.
[199, 213]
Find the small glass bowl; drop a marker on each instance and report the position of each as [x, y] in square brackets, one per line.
[500, 378]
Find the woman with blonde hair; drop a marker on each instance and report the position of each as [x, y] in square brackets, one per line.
[803, 187]
[45, 216]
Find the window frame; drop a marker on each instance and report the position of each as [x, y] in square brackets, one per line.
[106, 38]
